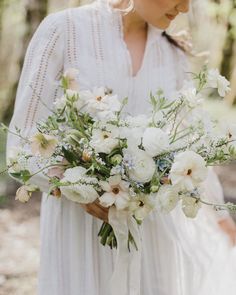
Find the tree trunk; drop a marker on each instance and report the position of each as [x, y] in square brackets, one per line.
[1, 15]
[36, 10]
[227, 64]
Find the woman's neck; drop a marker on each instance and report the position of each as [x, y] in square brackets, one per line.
[132, 21]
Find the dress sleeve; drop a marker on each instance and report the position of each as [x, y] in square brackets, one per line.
[39, 86]
[214, 191]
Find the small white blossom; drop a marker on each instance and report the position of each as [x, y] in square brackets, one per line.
[229, 131]
[60, 103]
[71, 94]
[14, 159]
[191, 96]
[99, 104]
[104, 141]
[215, 80]
[118, 169]
[139, 121]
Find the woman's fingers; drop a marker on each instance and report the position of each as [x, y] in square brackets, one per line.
[229, 227]
[96, 210]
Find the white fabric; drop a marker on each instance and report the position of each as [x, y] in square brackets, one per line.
[179, 256]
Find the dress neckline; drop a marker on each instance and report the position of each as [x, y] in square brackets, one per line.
[153, 35]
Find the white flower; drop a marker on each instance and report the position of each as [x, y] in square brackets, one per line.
[99, 104]
[104, 141]
[132, 134]
[71, 75]
[155, 141]
[141, 205]
[60, 103]
[167, 198]
[14, 159]
[24, 193]
[158, 117]
[190, 206]
[144, 166]
[43, 144]
[191, 96]
[215, 80]
[116, 192]
[80, 193]
[71, 94]
[229, 131]
[188, 170]
[137, 121]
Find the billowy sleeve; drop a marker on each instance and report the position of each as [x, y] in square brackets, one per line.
[214, 191]
[38, 86]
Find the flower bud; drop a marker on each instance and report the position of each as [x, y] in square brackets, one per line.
[116, 159]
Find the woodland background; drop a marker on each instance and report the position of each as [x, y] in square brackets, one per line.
[212, 25]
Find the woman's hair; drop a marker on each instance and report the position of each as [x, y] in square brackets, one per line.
[130, 7]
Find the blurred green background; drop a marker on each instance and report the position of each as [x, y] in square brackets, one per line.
[212, 25]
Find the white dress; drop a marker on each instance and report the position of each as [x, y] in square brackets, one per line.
[180, 256]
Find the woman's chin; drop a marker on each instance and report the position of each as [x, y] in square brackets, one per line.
[163, 24]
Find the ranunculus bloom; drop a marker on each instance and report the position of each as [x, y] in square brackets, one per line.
[188, 170]
[43, 144]
[116, 192]
[215, 80]
[144, 166]
[80, 193]
[155, 141]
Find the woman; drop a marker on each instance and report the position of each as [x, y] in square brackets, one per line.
[131, 55]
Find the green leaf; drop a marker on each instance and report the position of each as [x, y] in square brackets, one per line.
[70, 156]
[23, 175]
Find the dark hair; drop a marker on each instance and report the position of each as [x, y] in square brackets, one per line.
[178, 43]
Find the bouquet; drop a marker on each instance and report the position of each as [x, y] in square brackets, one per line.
[91, 149]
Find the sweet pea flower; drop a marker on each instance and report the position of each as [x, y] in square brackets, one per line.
[71, 75]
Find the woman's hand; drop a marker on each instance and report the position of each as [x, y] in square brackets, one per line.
[96, 210]
[229, 227]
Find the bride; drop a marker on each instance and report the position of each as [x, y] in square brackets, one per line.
[131, 54]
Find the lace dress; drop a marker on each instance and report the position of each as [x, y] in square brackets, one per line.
[180, 256]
